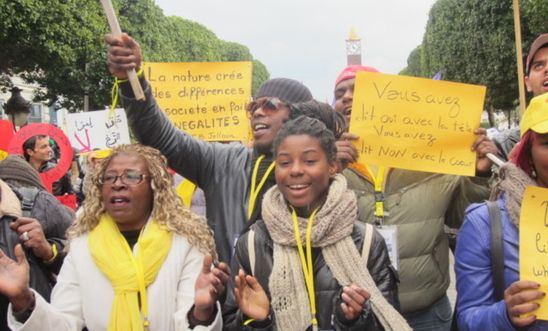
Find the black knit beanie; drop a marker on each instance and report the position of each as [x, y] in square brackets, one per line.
[287, 90]
[14, 170]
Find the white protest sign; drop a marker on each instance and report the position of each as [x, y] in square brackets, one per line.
[96, 129]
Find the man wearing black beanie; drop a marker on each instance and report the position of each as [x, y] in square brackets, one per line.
[232, 176]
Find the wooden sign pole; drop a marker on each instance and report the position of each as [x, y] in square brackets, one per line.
[115, 28]
[519, 56]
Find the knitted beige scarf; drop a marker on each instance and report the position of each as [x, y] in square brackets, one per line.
[331, 232]
[513, 183]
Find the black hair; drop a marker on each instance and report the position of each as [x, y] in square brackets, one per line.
[334, 121]
[304, 125]
[31, 144]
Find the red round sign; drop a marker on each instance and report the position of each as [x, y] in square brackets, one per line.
[31, 130]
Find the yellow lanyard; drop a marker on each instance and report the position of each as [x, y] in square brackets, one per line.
[255, 190]
[306, 262]
[379, 195]
[137, 262]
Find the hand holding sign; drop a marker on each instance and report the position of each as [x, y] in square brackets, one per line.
[131, 75]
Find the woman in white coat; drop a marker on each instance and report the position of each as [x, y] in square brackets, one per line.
[138, 260]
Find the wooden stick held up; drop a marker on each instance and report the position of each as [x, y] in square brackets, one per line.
[115, 28]
[519, 56]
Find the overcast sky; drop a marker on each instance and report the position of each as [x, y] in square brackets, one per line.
[305, 39]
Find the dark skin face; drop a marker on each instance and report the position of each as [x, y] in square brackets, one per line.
[129, 205]
[344, 95]
[265, 123]
[303, 172]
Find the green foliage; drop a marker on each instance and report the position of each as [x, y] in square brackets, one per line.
[59, 45]
[472, 41]
[260, 75]
[413, 63]
[48, 42]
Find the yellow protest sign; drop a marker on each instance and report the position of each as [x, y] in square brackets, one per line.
[416, 123]
[205, 99]
[533, 242]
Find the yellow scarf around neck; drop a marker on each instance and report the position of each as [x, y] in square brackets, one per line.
[129, 274]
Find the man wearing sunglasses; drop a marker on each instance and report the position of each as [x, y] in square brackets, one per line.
[232, 176]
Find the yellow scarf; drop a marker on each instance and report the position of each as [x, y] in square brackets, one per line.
[129, 274]
[185, 190]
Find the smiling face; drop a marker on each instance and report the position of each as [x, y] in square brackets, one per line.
[344, 95]
[303, 172]
[537, 79]
[129, 204]
[266, 120]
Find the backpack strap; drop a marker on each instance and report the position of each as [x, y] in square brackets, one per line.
[251, 250]
[497, 249]
[367, 239]
[27, 196]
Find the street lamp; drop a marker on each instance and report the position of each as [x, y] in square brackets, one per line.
[17, 108]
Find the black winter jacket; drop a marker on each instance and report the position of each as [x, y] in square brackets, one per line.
[328, 291]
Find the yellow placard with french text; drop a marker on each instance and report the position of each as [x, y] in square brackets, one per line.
[533, 243]
[206, 99]
[416, 123]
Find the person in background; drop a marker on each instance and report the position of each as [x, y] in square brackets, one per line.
[138, 260]
[536, 81]
[39, 153]
[411, 208]
[478, 308]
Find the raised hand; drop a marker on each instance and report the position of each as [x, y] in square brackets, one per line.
[124, 53]
[210, 285]
[251, 297]
[32, 236]
[519, 298]
[354, 299]
[14, 278]
[483, 145]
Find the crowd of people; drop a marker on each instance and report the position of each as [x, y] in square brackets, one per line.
[297, 235]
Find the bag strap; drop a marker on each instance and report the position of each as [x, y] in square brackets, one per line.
[251, 250]
[27, 196]
[497, 249]
[368, 238]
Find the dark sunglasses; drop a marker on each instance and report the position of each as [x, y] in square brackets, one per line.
[269, 104]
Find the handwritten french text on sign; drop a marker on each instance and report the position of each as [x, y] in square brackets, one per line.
[416, 123]
[533, 242]
[97, 129]
[205, 99]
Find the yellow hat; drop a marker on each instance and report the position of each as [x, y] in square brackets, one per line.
[536, 116]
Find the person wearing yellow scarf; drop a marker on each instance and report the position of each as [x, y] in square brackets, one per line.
[130, 266]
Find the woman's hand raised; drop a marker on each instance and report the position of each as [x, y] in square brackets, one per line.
[251, 297]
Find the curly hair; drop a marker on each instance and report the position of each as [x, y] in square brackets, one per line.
[168, 209]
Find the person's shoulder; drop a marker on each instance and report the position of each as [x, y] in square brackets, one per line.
[477, 214]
